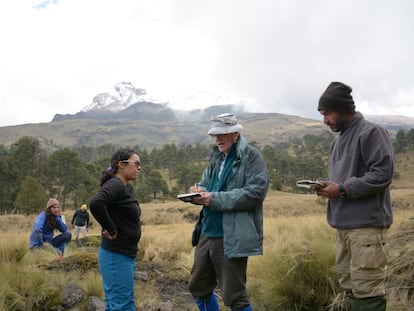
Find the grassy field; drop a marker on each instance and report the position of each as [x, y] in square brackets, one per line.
[294, 273]
[295, 229]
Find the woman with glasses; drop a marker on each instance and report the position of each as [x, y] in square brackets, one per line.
[45, 225]
[118, 212]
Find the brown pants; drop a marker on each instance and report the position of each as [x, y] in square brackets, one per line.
[361, 261]
[211, 267]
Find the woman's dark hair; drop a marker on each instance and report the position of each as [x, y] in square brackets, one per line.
[119, 155]
[50, 218]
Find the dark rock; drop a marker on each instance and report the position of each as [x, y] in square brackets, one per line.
[72, 294]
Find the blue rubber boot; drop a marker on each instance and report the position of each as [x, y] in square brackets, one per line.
[247, 308]
[211, 304]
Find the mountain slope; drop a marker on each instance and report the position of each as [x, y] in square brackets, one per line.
[264, 129]
[127, 116]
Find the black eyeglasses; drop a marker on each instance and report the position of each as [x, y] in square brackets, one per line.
[136, 162]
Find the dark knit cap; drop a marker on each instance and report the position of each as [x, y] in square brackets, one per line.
[337, 97]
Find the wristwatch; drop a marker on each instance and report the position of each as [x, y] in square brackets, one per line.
[341, 189]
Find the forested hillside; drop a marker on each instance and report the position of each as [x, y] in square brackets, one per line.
[29, 174]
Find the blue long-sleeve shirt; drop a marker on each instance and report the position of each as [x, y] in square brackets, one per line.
[42, 233]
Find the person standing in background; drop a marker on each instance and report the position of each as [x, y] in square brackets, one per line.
[44, 227]
[80, 222]
[233, 188]
[116, 209]
[361, 167]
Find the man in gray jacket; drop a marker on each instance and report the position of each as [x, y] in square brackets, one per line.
[361, 166]
[233, 187]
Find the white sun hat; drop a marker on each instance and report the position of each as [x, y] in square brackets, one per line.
[224, 124]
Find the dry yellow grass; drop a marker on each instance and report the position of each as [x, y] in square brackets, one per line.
[292, 204]
[404, 163]
[168, 245]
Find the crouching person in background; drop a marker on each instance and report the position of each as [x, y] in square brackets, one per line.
[45, 225]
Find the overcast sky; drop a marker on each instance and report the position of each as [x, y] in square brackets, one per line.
[270, 55]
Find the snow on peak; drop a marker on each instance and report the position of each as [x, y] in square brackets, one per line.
[123, 95]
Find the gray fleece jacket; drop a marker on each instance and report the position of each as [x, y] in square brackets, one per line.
[362, 158]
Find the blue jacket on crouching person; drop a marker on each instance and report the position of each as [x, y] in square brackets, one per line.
[42, 233]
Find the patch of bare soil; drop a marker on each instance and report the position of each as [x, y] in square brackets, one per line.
[166, 281]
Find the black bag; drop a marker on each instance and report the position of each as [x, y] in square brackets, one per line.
[197, 230]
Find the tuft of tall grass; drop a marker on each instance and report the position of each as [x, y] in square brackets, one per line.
[296, 272]
[93, 284]
[12, 249]
[401, 268]
[19, 292]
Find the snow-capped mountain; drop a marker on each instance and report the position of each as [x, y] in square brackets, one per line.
[127, 102]
[123, 95]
